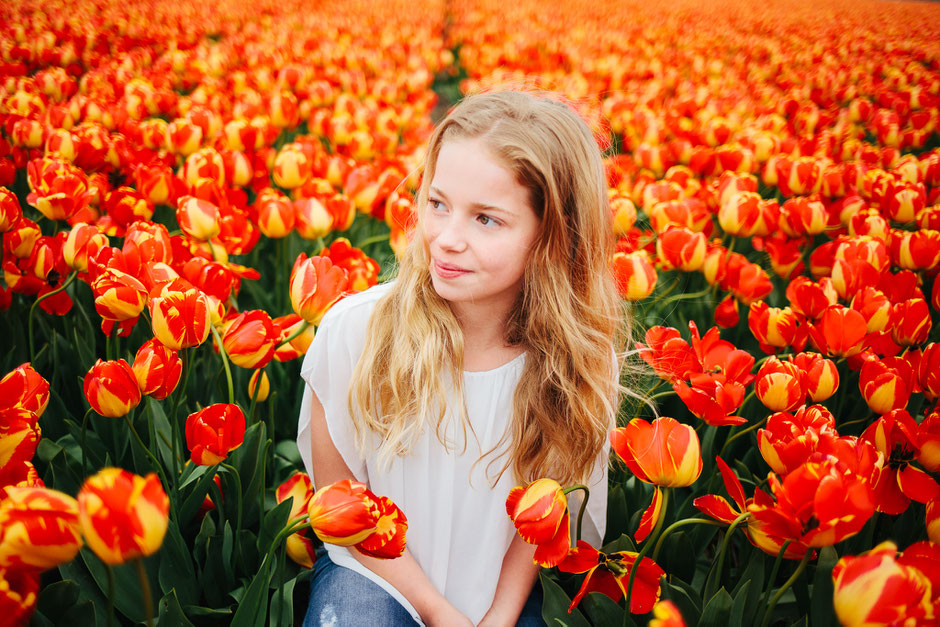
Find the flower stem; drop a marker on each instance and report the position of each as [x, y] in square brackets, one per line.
[145, 590]
[789, 582]
[228, 371]
[300, 329]
[756, 425]
[153, 458]
[587, 495]
[375, 239]
[650, 542]
[32, 310]
[775, 570]
[85, 448]
[719, 565]
[681, 523]
[110, 572]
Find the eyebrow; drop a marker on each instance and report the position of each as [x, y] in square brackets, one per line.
[479, 206]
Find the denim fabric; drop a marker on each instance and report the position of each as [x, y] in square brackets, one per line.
[340, 597]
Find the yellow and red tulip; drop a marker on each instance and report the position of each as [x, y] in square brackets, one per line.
[665, 452]
[111, 388]
[123, 516]
[315, 285]
[39, 529]
[540, 513]
[213, 432]
[779, 385]
[610, 573]
[180, 319]
[157, 369]
[249, 339]
[634, 274]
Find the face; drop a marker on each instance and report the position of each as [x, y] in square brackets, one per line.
[479, 228]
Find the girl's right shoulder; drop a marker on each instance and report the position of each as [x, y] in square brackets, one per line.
[354, 310]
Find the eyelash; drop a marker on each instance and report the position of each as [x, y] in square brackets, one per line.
[435, 205]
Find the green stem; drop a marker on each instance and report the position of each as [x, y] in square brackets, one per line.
[298, 331]
[84, 447]
[685, 296]
[238, 496]
[789, 582]
[756, 425]
[664, 293]
[866, 419]
[662, 395]
[375, 239]
[682, 523]
[719, 565]
[110, 572]
[650, 542]
[228, 371]
[587, 495]
[174, 420]
[153, 458]
[32, 310]
[774, 571]
[145, 589]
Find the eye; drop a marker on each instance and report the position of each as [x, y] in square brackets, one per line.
[435, 205]
[486, 220]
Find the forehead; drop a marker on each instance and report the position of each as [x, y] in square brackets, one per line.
[467, 171]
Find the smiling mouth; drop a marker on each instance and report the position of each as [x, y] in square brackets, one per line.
[447, 271]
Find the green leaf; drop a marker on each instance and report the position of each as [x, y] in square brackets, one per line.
[196, 611]
[195, 498]
[684, 597]
[57, 599]
[171, 614]
[755, 574]
[617, 514]
[717, 610]
[821, 609]
[161, 425]
[623, 543]
[678, 556]
[128, 598]
[555, 605]
[254, 605]
[88, 590]
[176, 570]
[282, 602]
[601, 609]
[736, 619]
[274, 521]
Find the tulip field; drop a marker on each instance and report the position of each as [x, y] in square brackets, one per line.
[187, 187]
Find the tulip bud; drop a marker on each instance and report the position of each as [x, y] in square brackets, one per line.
[779, 385]
[123, 516]
[624, 212]
[315, 285]
[275, 213]
[681, 248]
[157, 369]
[118, 295]
[292, 167]
[312, 218]
[249, 339]
[634, 273]
[198, 218]
[84, 241]
[180, 319]
[213, 432]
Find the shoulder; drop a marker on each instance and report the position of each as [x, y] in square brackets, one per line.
[354, 310]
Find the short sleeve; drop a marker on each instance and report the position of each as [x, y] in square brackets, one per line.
[327, 370]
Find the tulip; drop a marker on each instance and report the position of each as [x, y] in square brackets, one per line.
[610, 573]
[205, 163]
[810, 299]
[111, 388]
[771, 326]
[249, 339]
[58, 188]
[313, 220]
[874, 306]
[180, 319]
[315, 285]
[157, 369]
[664, 453]
[874, 588]
[183, 137]
[779, 385]
[119, 296]
[38, 529]
[788, 441]
[928, 371]
[343, 513]
[933, 521]
[10, 212]
[910, 322]
[213, 432]
[123, 516]
[840, 331]
[681, 248]
[739, 213]
[388, 539]
[361, 270]
[802, 216]
[624, 212]
[124, 206]
[198, 218]
[23, 390]
[296, 347]
[634, 273]
[666, 614]
[146, 242]
[84, 241]
[19, 590]
[820, 375]
[299, 487]
[540, 513]
[726, 313]
[292, 167]
[885, 384]
[275, 213]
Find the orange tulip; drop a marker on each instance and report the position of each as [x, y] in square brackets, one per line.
[680, 248]
[10, 211]
[292, 167]
[23, 390]
[59, 190]
[180, 319]
[111, 388]
[789, 440]
[157, 369]
[779, 385]
[885, 383]
[540, 513]
[213, 432]
[362, 271]
[315, 285]
[84, 241]
[263, 388]
[820, 375]
[298, 346]
[839, 332]
[38, 529]
[119, 296]
[123, 516]
[634, 273]
[664, 453]
[198, 218]
[666, 614]
[391, 526]
[275, 213]
[249, 339]
[910, 322]
[312, 218]
[772, 327]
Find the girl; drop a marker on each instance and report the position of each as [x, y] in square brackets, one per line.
[487, 363]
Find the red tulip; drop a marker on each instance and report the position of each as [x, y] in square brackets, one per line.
[213, 432]
[111, 388]
[540, 513]
[157, 369]
[315, 285]
[610, 573]
[664, 453]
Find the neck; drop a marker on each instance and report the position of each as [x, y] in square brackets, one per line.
[481, 329]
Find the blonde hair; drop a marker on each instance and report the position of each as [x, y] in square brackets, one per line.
[567, 317]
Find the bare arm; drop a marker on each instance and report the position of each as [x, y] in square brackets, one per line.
[516, 577]
[404, 573]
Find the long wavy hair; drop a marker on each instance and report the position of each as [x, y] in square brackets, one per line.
[567, 318]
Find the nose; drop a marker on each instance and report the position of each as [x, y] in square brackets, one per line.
[450, 235]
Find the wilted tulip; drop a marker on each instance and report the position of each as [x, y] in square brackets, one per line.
[540, 513]
[610, 574]
[111, 388]
[213, 432]
[123, 516]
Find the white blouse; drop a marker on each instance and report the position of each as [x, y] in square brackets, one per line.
[458, 529]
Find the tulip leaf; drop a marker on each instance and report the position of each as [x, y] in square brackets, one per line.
[755, 575]
[163, 432]
[128, 598]
[58, 600]
[717, 611]
[623, 543]
[176, 570]
[274, 521]
[282, 602]
[195, 499]
[171, 614]
[736, 618]
[253, 606]
[678, 556]
[602, 610]
[684, 597]
[821, 608]
[617, 514]
[555, 605]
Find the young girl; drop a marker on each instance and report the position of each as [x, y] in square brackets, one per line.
[488, 363]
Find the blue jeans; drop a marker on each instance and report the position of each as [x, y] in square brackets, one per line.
[340, 597]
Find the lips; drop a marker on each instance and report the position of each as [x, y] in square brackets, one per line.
[449, 271]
